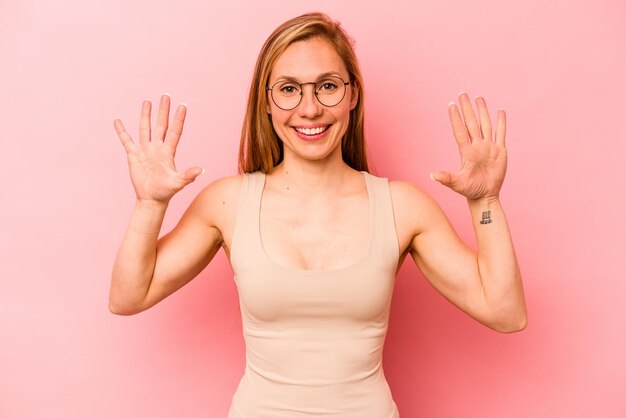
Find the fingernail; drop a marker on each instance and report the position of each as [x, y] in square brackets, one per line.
[450, 104]
[167, 94]
[432, 177]
[201, 172]
[184, 104]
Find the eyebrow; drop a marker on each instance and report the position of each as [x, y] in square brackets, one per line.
[326, 74]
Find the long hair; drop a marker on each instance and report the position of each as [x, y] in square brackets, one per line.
[260, 148]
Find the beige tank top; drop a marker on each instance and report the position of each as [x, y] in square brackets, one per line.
[314, 339]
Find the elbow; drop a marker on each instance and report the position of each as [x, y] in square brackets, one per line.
[122, 309]
[125, 303]
[508, 316]
[510, 324]
[508, 319]
[117, 310]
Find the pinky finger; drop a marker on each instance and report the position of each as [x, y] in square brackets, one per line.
[501, 128]
[126, 140]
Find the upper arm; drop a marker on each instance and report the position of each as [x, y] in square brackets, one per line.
[448, 264]
[187, 249]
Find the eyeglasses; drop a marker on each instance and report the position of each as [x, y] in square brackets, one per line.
[287, 94]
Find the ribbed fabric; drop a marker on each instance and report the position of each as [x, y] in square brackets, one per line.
[314, 339]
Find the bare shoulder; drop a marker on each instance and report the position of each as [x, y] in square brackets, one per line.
[408, 197]
[414, 210]
[224, 187]
[216, 204]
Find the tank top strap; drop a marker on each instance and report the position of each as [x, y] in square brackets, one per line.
[385, 244]
[243, 245]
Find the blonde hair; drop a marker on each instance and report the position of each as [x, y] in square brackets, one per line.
[260, 148]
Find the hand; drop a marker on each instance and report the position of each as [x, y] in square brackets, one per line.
[483, 160]
[151, 163]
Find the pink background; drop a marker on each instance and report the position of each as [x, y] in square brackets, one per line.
[67, 69]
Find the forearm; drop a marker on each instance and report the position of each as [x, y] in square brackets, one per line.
[136, 258]
[497, 264]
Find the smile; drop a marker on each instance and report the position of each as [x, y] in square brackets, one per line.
[311, 131]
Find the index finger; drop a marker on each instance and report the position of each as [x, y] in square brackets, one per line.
[458, 127]
[176, 130]
[470, 118]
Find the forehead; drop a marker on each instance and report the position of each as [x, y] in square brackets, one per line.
[306, 60]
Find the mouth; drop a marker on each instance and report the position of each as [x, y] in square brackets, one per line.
[311, 131]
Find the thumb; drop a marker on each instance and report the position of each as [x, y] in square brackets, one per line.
[443, 177]
[191, 174]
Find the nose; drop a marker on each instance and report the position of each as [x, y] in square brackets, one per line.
[309, 106]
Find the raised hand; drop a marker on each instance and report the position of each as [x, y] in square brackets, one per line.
[151, 162]
[483, 157]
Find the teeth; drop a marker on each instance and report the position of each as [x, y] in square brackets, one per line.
[312, 131]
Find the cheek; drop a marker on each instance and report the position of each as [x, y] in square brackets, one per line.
[278, 122]
[343, 113]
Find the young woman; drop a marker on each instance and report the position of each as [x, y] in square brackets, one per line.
[315, 241]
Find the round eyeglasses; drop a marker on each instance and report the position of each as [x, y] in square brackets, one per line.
[287, 94]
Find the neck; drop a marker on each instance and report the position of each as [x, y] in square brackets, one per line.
[313, 177]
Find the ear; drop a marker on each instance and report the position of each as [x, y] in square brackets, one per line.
[354, 99]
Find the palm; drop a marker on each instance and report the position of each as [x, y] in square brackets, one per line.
[151, 162]
[152, 171]
[483, 160]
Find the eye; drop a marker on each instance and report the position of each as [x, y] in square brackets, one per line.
[288, 89]
[327, 86]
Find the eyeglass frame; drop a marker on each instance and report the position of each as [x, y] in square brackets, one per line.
[345, 83]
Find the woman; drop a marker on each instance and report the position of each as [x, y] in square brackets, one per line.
[315, 240]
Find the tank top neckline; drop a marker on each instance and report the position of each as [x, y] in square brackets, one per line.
[360, 260]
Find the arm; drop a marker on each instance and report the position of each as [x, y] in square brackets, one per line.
[499, 271]
[147, 270]
[486, 284]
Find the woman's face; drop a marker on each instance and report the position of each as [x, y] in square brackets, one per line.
[311, 131]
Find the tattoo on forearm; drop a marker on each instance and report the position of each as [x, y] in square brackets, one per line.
[486, 217]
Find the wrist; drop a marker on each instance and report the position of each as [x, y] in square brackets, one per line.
[485, 201]
[151, 204]
[482, 208]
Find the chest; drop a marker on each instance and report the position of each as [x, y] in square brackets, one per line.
[314, 234]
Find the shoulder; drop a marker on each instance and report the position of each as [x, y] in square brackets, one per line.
[405, 194]
[218, 200]
[224, 186]
[413, 207]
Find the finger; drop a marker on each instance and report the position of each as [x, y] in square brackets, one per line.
[176, 130]
[469, 117]
[193, 172]
[483, 115]
[127, 141]
[501, 127]
[190, 175]
[162, 118]
[458, 127]
[444, 177]
[144, 122]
